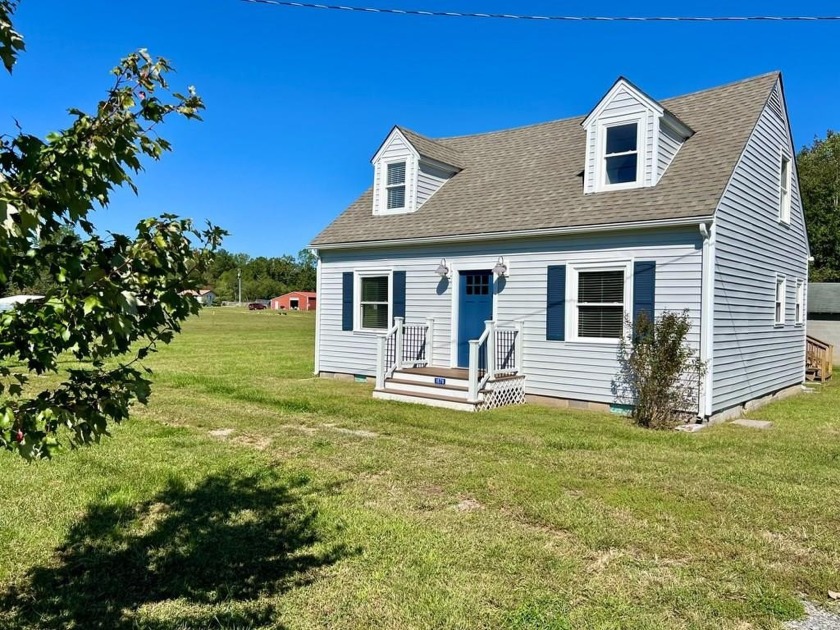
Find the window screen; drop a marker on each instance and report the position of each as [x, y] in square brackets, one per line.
[784, 191]
[781, 287]
[374, 302]
[601, 304]
[396, 185]
[622, 154]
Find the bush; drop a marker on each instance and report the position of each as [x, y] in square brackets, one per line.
[660, 373]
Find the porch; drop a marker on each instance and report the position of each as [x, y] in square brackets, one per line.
[493, 378]
[819, 359]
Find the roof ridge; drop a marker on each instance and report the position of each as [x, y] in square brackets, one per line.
[567, 118]
[508, 129]
[726, 85]
[405, 129]
[431, 148]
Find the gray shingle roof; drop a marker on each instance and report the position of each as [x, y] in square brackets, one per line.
[530, 178]
[433, 149]
[824, 297]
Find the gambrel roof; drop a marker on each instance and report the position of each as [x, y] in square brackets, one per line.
[529, 179]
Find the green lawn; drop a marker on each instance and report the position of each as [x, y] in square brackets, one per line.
[325, 508]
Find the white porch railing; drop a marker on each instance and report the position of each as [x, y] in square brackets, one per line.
[404, 345]
[497, 352]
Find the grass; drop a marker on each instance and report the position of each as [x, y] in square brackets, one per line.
[325, 508]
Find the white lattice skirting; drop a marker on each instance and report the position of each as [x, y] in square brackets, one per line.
[508, 391]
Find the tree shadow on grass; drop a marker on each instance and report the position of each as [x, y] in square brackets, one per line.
[211, 555]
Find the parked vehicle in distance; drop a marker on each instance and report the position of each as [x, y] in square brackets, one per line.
[256, 306]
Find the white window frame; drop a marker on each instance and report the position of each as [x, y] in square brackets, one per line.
[781, 281]
[640, 121]
[799, 312]
[573, 271]
[380, 198]
[389, 187]
[357, 299]
[785, 183]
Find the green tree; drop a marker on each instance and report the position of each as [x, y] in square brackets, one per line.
[108, 300]
[307, 270]
[818, 166]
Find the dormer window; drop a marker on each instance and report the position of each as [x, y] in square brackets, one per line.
[396, 185]
[408, 169]
[621, 154]
[631, 140]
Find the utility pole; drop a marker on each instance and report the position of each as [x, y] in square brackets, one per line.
[239, 278]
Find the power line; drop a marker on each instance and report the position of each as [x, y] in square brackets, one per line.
[550, 18]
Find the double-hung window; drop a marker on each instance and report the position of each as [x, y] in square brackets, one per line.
[800, 302]
[395, 185]
[784, 190]
[600, 303]
[374, 302]
[621, 154]
[781, 289]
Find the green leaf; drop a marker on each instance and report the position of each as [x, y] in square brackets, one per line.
[91, 302]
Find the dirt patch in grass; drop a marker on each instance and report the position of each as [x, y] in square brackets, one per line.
[468, 505]
[299, 428]
[354, 432]
[221, 434]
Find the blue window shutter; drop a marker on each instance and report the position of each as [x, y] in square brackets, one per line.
[555, 313]
[399, 294]
[347, 301]
[644, 289]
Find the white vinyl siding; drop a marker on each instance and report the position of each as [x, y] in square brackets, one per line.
[752, 357]
[781, 288]
[568, 369]
[669, 144]
[430, 179]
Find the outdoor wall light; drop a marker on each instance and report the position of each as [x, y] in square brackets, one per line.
[442, 269]
[501, 268]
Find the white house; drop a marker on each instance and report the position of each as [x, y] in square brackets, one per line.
[205, 297]
[480, 270]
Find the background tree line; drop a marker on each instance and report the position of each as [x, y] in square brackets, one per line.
[262, 278]
[818, 166]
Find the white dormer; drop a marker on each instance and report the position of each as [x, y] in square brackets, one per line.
[630, 140]
[407, 170]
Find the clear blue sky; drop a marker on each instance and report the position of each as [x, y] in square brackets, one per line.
[298, 100]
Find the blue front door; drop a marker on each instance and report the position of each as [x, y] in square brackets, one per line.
[475, 306]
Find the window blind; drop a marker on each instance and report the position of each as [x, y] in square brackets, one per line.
[601, 304]
[601, 286]
[396, 197]
[601, 321]
[396, 174]
[375, 289]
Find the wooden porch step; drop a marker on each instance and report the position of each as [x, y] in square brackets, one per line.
[459, 373]
[419, 398]
[454, 388]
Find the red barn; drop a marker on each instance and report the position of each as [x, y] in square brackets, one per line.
[295, 301]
